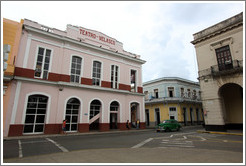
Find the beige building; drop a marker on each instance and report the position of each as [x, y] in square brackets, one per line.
[219, 51]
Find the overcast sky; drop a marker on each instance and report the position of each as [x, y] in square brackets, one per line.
[160, 32]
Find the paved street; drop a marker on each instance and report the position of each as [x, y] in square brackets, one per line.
[135, 146]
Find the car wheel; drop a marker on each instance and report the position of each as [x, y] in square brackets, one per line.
[178, 129]
[167, 129]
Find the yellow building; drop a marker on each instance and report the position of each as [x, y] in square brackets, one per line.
[172, 98]
[11, 36]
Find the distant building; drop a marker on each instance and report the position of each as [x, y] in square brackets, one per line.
[80, 75]
[219, 51]
[172, 98]
[11, 38]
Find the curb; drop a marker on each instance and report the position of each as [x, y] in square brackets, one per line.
[73, 134]
[215, 132]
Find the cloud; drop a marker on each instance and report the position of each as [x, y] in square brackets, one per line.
[160, 32]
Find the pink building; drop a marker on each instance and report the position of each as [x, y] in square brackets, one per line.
[80, 75]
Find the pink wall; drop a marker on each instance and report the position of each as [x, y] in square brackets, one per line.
[61, 56]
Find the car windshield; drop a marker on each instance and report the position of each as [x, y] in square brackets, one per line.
[166, 121]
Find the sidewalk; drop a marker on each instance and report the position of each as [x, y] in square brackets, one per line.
[75, 133]
[228, 132]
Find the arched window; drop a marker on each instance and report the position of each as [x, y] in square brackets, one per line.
[35, 114]
[72, 112]
[114, 116]
[114, 106]
[95, 108]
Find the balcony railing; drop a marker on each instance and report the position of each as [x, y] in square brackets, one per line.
[230, 67]
[191, 99]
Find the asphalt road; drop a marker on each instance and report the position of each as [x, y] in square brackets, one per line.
[188, 140]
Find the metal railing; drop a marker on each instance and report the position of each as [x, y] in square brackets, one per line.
[229, 67]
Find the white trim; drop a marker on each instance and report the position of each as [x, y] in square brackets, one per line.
[80, 110]
[17, 95]
[168, 95]
[26, 55]
[138, 110]
[110, 70]
[43, 62]
[136, 79]
[47, 115]
[82, 65]
[101, 73]
[68, 84]
[118, 113]
[176, 113]
[101, 111]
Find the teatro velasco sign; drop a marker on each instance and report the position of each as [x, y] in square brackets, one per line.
[95, 38]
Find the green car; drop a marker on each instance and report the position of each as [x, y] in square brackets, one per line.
[169, 125]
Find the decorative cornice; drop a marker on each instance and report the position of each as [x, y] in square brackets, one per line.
[166, 79]
[222, 27]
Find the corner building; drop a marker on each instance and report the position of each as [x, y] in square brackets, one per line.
[219, 51]
[172, 98]
[80, 75]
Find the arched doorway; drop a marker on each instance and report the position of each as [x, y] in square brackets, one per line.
[231, 96]
[72, 114]
[114, 110]
[35, 114]
[95, 109]
[134, 114]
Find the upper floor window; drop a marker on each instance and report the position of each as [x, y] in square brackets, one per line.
[76, 69]
[96, 75]
[156, 93]
[224, 59]
[114, 76]
[188, 91]
[182, 92]
[170, 91]
[133, 80]
[42, 63]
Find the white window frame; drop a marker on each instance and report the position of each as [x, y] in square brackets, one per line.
[35, 114]
[171, 112]
[114, 76]
[71, 115]
[101, 71]
[173, 91]
[43, 62]
[136, 80]
[71, 61]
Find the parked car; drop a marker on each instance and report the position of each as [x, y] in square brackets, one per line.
[169, 125]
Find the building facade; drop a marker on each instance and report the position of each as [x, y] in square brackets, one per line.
[172, 98]
[219, 51]
[81, 75]
[11, 38]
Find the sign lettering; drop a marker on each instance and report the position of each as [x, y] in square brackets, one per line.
[94, 36]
